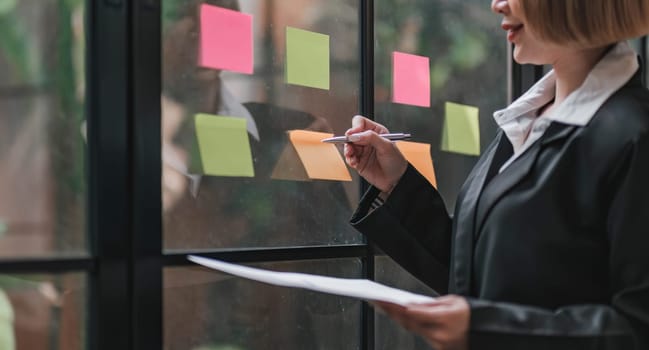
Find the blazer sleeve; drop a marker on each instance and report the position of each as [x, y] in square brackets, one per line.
[621, 324]
[412, 226]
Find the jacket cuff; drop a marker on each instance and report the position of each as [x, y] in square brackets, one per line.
[365, 205]
[409, 186]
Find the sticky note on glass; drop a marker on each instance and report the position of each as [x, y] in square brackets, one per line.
[410, 79]
[461, 132]
[225, 40]
[307, 58]
[418, 154]
[306, 158]
[224, 145]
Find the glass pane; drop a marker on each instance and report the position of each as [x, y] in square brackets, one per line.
[389, 335]
[42, 88]
[467, 54]
[207, 310]
[43, 312]
[636, 44]
[280, 205]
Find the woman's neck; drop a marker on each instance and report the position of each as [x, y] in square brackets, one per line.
[572, 69]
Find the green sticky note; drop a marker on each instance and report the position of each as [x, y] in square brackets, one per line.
[307, 58]
[461, 132]
[223, 145]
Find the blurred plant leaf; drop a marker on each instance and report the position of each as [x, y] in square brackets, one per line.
[3, 227]
[12, 282]
[468, 49]
[6, 6]
[73, 3]
[439, 74]
[13, 43]
[7, 340]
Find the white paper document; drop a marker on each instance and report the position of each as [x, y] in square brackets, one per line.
[356, 288]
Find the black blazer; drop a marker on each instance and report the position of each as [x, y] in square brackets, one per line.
[552, 253]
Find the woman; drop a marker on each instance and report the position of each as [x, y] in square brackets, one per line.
[547, 245]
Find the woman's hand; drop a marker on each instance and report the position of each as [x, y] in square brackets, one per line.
[375, 158]
[443, 323]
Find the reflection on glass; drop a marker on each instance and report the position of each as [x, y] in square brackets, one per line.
[42, 312]
[388, 334]
[204, 211]
[207, 310]
[468, 65]
[42, 183]
[636, 44]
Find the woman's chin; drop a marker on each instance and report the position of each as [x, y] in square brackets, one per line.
[521, 58]
[525, 57]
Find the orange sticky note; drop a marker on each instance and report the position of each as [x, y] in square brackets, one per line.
[315, 159]
[418, 154]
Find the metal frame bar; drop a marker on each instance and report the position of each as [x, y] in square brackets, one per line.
[109, 211]
[146, 164]
[366, 43]
[643, 54]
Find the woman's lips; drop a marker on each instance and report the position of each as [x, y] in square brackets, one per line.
[512, 30]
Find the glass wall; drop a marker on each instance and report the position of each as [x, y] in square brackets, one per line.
[43, 312]
[389, 335]
[274, 204]
[467, 54]
[212, 311]
[277, 202]
[42, 171]
[42, 94]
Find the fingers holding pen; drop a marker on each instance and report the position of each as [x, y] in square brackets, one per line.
[359, 134]
[363, 144]
[352, 154]
[374, 156]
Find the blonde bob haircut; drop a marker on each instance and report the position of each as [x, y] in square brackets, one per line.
[587, 23]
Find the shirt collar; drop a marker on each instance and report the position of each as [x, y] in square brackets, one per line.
[609, 75]
[231, 107]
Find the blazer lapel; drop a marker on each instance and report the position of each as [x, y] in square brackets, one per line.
[462, 256]
[516, 172]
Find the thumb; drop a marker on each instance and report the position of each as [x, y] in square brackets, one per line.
[360, 124]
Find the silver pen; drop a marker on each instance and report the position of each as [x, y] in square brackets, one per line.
[345, 139]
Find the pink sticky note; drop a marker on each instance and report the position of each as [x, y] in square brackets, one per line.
[225, 40]
[410, 79]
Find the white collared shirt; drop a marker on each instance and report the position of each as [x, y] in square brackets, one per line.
[523, 127]
[231, 107]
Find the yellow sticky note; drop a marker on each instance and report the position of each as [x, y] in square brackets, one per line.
[316, 160]
[418, 154]
[307, 58]
[461, 132]
[224, 145]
